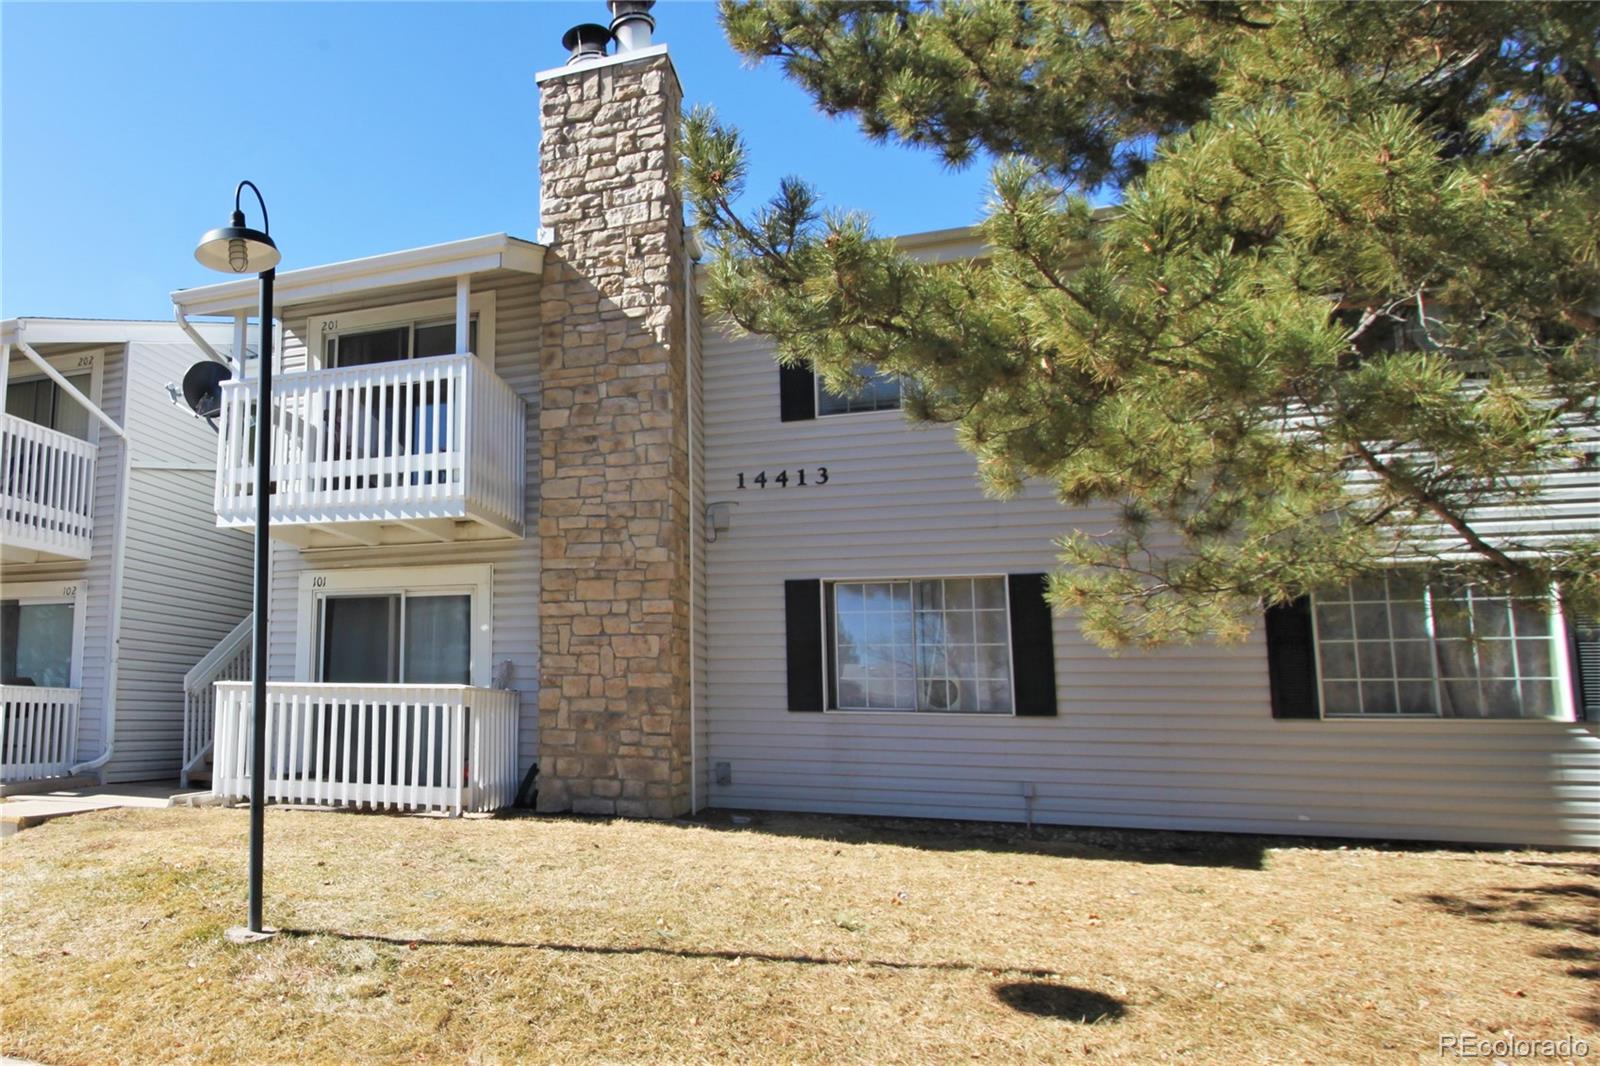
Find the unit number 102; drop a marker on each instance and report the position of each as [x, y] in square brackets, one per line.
[783, 479]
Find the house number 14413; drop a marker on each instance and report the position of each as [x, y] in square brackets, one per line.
[800, 478]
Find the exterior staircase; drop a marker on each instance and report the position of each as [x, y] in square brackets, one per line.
[228, 661]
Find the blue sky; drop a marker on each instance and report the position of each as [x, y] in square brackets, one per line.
[370, 127]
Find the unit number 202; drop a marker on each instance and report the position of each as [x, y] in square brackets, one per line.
[783, 478]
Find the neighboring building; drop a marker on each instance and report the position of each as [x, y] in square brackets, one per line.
[113, 575]
[532, 510]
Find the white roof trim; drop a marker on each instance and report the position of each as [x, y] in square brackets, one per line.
[497, 251]
[600, 64]
[102, 331]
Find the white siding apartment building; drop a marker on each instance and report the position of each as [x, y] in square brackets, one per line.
[114, 577]
[533, 510]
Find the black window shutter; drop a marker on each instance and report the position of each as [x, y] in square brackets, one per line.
[802, 604]
[1292, 660]
[1033, 649]
[797, 393]
[1586, 667]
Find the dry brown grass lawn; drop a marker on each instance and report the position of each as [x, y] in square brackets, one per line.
[794, 940]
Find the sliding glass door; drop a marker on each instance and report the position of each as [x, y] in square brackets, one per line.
[36, 642]
[406, 638]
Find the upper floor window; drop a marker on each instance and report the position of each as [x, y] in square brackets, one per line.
[395, 341]
[1396, 645]
[43, 402]
[802, 396]
[880, 393]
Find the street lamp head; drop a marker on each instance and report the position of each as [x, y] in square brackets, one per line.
[236, 248]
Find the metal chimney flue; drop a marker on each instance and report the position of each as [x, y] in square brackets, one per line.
[587, 42]
[631, 23]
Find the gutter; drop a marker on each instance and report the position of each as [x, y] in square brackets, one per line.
[118, 547]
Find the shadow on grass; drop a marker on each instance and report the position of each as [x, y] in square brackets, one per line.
[1561, 908]
[725, 954]
[1571, 907]
[1168, 848]
[1066, 1002]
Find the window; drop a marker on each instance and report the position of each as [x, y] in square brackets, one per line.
[43, 402]
[395, 342]
[36, 643]
[1394, 645]
[416, 639]
[938, 645]
[880, 393]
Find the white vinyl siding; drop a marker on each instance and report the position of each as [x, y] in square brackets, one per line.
[186, 583]
[1178, 738]
[515, 623]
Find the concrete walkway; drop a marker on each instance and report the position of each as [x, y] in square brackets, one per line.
[24, 812]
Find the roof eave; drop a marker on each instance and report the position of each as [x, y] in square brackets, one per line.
[475, 255]
[37, 331]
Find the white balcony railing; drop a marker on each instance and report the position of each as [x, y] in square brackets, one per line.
[441, 438]
[228, 661]
[46, 491]
[448, 748]
[38, 732]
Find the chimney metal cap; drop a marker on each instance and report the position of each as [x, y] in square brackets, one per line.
[631, 9]
[586, 41]
[631, 23]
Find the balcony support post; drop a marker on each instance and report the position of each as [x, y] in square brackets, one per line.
[463, 312]
[241, 341]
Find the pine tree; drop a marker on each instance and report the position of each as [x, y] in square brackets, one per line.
[1345, 309]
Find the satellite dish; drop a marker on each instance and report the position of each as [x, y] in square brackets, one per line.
[202, 387]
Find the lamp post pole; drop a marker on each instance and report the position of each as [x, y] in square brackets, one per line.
[258, 672]
[234, 249]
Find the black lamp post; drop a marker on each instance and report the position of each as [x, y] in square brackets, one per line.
[235, 249]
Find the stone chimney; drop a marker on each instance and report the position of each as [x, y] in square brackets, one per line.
[613, 431]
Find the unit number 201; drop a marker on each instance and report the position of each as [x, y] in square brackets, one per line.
[783, 479]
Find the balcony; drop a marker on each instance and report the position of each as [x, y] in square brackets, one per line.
[46, 493]
[417, 451]
[449, 748]
[38, 732]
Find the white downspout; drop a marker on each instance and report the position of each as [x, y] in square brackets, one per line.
[695, 547]
[118, 546]
[118, 551]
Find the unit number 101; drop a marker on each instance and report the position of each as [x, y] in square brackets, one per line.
[783, 479]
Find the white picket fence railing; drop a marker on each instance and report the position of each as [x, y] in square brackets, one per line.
[38, 732]
[46, 489]
[228, 661]
[448, 748]
[439, 437]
